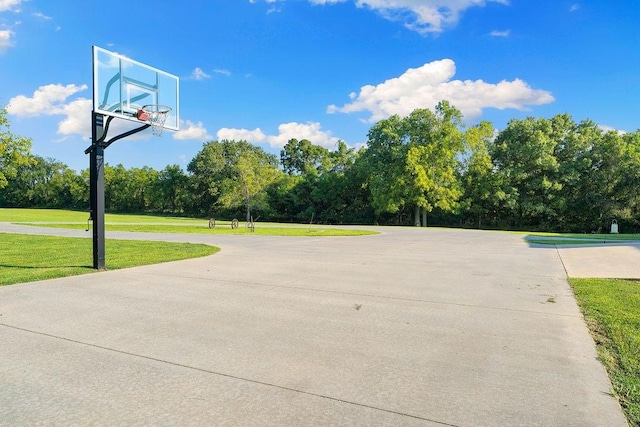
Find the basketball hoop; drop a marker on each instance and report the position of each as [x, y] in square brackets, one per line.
[155, 115]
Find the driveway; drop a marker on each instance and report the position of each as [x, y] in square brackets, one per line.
[409, 327]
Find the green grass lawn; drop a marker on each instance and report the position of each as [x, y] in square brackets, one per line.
[221, 229]
[26, 258]
[612, 310]
[561, 241]
[166, 224]
[577, 239]
[62, 215]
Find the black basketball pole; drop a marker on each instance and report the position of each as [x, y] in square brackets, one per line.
[96, 178]
[99, 131]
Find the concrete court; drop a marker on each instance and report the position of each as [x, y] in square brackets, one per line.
[410, 327]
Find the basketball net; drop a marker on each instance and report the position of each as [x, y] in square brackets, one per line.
[155, 115]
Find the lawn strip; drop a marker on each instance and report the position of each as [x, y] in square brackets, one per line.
[204, 229]
[27, 258]
[578, 236]
[612, 310]
[565, 242]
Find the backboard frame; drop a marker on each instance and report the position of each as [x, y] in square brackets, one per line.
[122, 85]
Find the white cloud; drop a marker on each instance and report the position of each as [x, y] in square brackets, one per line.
[286, 131]
[78, 118]
[194, 131]
[42, 16]
[273, 8]
[496, 33]
[574, 7]
[309, 130]
[9, 5]
[198, 74]
[255, 136]
[6, 37]
[222, 71]
[607, 129]
[423, 16]
[48, 100]
[52, 100]
[424, 87]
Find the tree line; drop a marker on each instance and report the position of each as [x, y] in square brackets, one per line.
[427, 168]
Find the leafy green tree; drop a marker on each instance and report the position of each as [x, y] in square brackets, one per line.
[628, 186]
[79, 189]
[342, 197]
[415, 161]
[252, 171]
[384, 162]
[574, 153]
[66, 187]
[318, 181]
[14, 150]
[117, 191]
[43, 182]
[172, 183]
[141, 188]
[605, 187]
[524, 157]
[207, 171]
[232, 174]
[282, 198]
[481, 188]
[435, 144]
[342, 158]
[302, 156]
[336, 195]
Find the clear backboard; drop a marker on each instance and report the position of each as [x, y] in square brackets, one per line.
[122, 86]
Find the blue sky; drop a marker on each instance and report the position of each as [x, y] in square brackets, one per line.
[326, 70]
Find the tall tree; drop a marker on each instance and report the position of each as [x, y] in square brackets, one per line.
[524, 157]
[14, 150]
[302, 156]
[172, 187]
[415, 161]
[117, 189]
[480, 185]
[435, 144]
[44, 182]
[574, 153]
[342, 158]
[207, 170]
[252, 171]
[338, 194]
[607, 179]
[628, 189]
[317, 180]
[142, 186]
[384, 161]
[232, 174]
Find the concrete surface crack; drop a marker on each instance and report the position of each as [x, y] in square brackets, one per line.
[235, 377]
